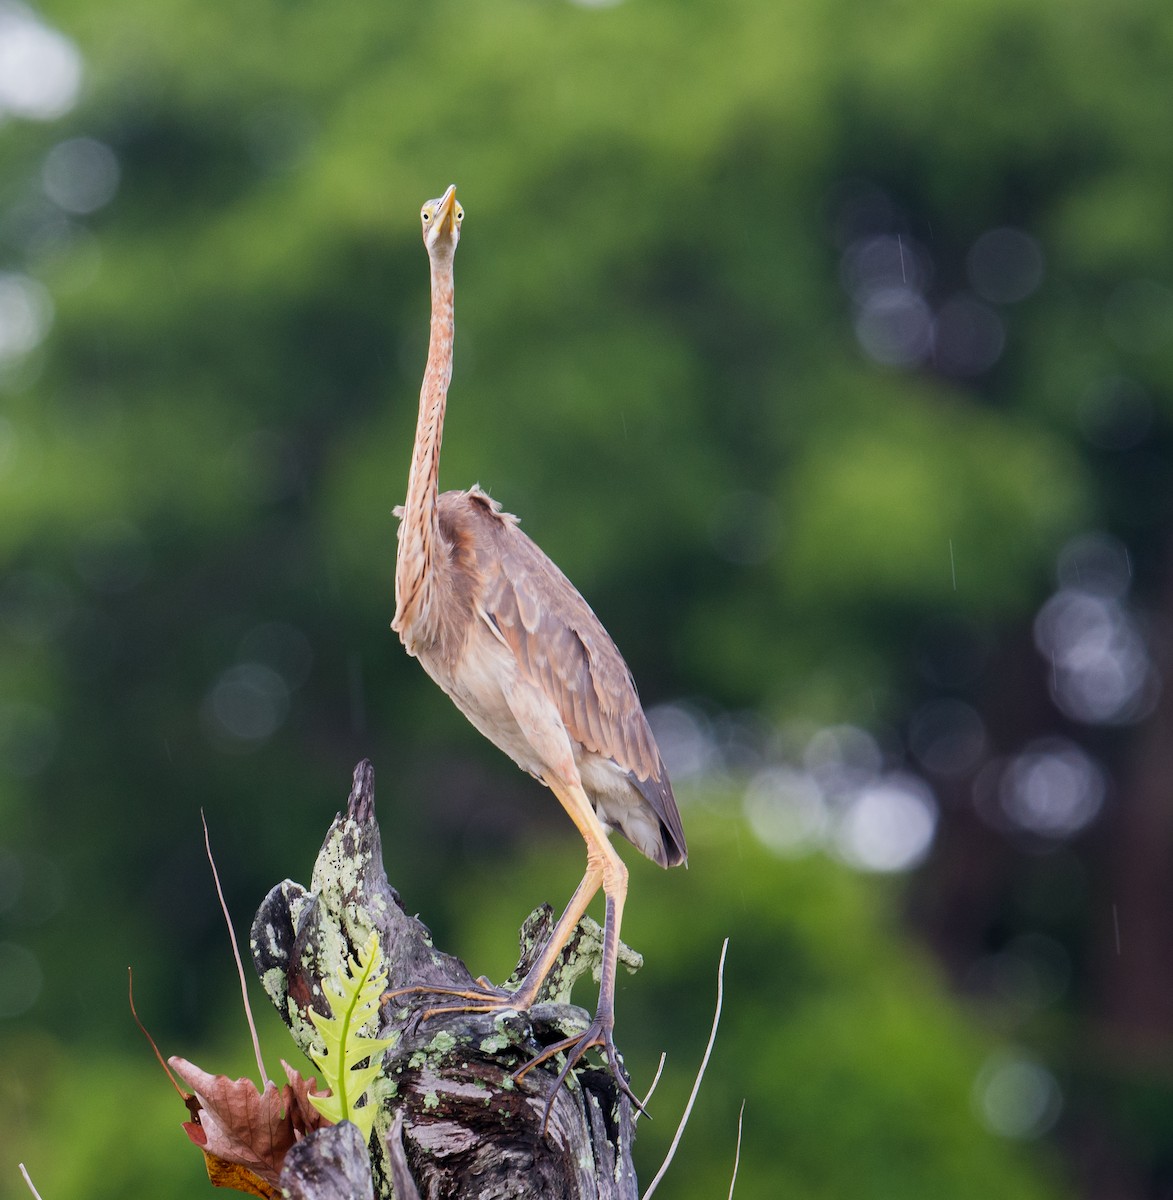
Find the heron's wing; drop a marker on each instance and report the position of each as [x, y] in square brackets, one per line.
[562, 648]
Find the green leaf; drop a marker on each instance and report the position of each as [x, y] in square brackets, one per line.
[353, 1000]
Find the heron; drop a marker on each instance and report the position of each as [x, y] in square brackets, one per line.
[508, 637]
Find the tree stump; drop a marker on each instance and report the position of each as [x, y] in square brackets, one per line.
[451, 1121]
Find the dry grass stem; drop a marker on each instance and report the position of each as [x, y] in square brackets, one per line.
[150, 1040]
[643, 1104]
[737, 1152]
[696, 1086]
[248, 1012]
[29, 1181]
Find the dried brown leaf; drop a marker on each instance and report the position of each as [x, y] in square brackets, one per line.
[237, 1123]
[245, 1133]
[306, 1118]
[240, 1179]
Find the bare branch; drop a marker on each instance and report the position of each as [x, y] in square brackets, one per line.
[696, 1086]
[248, 1012]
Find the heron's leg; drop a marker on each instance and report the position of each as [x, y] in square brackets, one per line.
[485, 997]
[605, 869]
[603, 859]
[600, 1033]
[531, 985]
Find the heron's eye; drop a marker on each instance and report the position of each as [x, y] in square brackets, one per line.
[427, 216]
[460, 214]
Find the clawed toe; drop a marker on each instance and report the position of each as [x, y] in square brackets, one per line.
[597, 1036]
[483, 997]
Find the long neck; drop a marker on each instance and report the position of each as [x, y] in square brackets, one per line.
[419, 535]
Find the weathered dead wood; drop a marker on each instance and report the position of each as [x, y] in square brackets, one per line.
[331, 1164]
[468, 1130]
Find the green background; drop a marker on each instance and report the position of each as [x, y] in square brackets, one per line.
[663, 366]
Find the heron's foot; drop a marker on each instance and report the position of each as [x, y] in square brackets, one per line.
[483, 997]
[599, 1035]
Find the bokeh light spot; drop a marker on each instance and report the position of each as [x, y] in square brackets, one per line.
[685, 738]
[839, 753]
[1017, 1097]
[248, 703]
[80, 175]
[968, 337]
[1095, 562]
[894, 326]
[40, 69]
[1005, 265]
[1053, 789]
[887, 825]
[1029, 973]
[876, 264]
[785, 810]
[1101, 672]
[26, 312]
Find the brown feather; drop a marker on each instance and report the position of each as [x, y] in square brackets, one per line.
[560, 646]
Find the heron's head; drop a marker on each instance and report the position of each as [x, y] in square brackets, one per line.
[441, 221]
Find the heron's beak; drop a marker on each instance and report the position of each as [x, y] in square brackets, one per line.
[446, 213]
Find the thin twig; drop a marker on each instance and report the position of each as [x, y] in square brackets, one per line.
[737, 1152]
[696, 1086]
[150, 1040]
[29, 1181]
[643, 1104]
[248, 1012]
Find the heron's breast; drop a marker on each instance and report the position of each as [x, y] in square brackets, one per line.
[476, 684]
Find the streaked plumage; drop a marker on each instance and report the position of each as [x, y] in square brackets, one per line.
[503, 631]
[515, 616]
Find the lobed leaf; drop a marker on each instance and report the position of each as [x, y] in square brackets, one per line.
[353, 1000]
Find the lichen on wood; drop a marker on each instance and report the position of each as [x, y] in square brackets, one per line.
[468, 1129]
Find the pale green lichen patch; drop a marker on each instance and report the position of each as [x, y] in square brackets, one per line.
[442, 1042]
[440, 1045]
[494, 1043]
[274, 982]
[583, 955]
[431, 1100]
[629, 958]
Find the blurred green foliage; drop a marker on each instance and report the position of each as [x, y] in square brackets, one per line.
[656, 369]
[856, 1073]
[855, 1070]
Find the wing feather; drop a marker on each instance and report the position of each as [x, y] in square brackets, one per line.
[562, 648]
